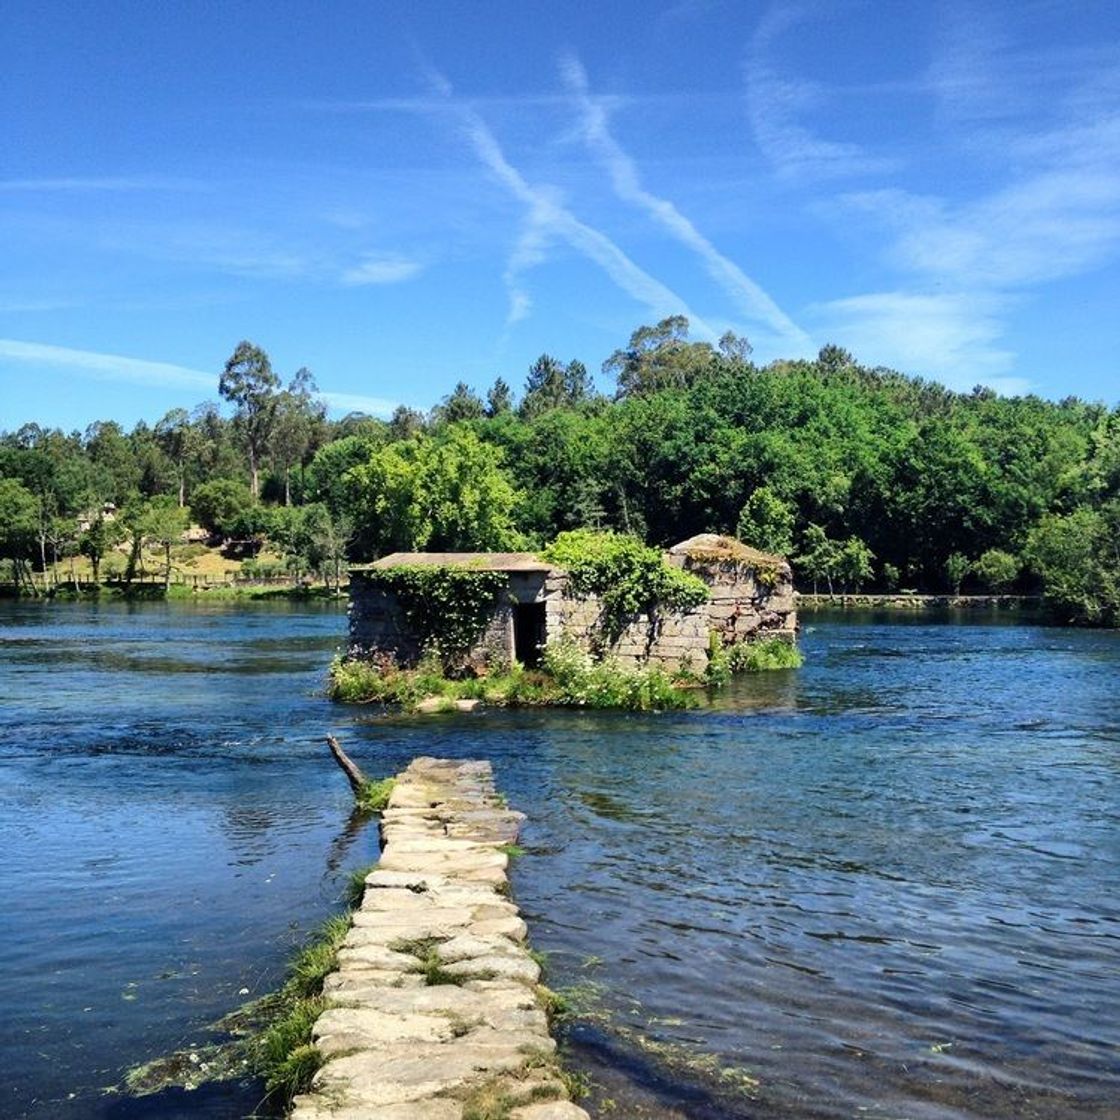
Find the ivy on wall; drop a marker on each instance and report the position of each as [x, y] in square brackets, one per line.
[447, 608]
[629, 577]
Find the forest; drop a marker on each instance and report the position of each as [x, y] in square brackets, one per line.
[865, 477]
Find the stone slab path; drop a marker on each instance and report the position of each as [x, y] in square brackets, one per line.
[435, 1013]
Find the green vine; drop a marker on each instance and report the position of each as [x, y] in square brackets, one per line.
[447, 608]
[629, 577]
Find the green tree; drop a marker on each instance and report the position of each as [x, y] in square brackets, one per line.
[96, 542]
[997, 570]
[443, 492]
[317, 540]
[957, 566]
[19, 528]
[325, 479]
[820, 557]
[766, 522]
[176, 437]
[249, 383]
[854, 564]
[298, 412]
[834, 359]
[115, 470]
[462, 403]
[659, 357]
[160, 522]
[735, 347]
[221, 506]
[551, 384]
[405, 423]
[1077, 557]
[499, 398]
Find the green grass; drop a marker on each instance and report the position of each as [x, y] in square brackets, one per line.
[569, 678]
[758, 656]
[373, 797]
[355, 889]
[765, 655]
[282, 1054]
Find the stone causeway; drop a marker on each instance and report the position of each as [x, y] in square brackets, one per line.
[435, 1011]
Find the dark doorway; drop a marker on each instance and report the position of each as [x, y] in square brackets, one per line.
[528, 633]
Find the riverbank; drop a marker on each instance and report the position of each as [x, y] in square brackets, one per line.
[902, 602]
[241, 591]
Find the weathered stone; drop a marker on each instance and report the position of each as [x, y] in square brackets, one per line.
[469, 946]
[548, 1110]
[358, 1028]
[355, 986]
[399, 1047]
[437, 1108]
[521, 968]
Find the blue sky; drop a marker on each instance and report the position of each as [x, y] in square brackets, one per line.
[400, 195]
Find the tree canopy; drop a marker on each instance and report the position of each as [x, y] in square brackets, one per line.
[864, 476]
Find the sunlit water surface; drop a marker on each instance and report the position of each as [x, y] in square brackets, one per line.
[887, 885]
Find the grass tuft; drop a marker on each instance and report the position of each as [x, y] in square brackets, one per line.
[373, 797]
[354, 890]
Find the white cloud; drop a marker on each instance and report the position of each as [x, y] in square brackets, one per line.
[749, 295]
[1056, 213]
[547, 214]
[151, 374]
[105, 367]
[776, 103]
[953, 338]
[357, 402]
[382, 270]
[102, 183]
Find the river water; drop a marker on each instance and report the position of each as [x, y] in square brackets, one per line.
[886, 885]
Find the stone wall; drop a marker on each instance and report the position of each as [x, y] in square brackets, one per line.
[378, 625]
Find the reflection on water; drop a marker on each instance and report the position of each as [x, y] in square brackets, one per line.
[885, 885]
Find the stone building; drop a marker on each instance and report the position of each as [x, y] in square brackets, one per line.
[750, 597]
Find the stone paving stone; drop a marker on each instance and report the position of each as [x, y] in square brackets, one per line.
[435, 992]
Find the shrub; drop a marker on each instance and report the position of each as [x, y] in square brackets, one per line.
[629, 577]
[582, 682]
[997, 570]
[762, 656]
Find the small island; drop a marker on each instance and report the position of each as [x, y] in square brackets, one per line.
[597, 619]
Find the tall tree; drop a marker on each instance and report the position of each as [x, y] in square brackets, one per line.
[447, 492]
[160, 522]
[463, 403]
[551, 384]
[499, 398]
[659, 357]
[19, 528]
[298, 411]
[249, 383]
[175, 436]
[766, 522]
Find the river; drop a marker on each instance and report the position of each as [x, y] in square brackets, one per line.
[886, 885]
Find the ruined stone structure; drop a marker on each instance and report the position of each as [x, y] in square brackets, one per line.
[751, 596]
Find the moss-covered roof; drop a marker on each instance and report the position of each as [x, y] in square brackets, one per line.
[480, 561]
[712, 546]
